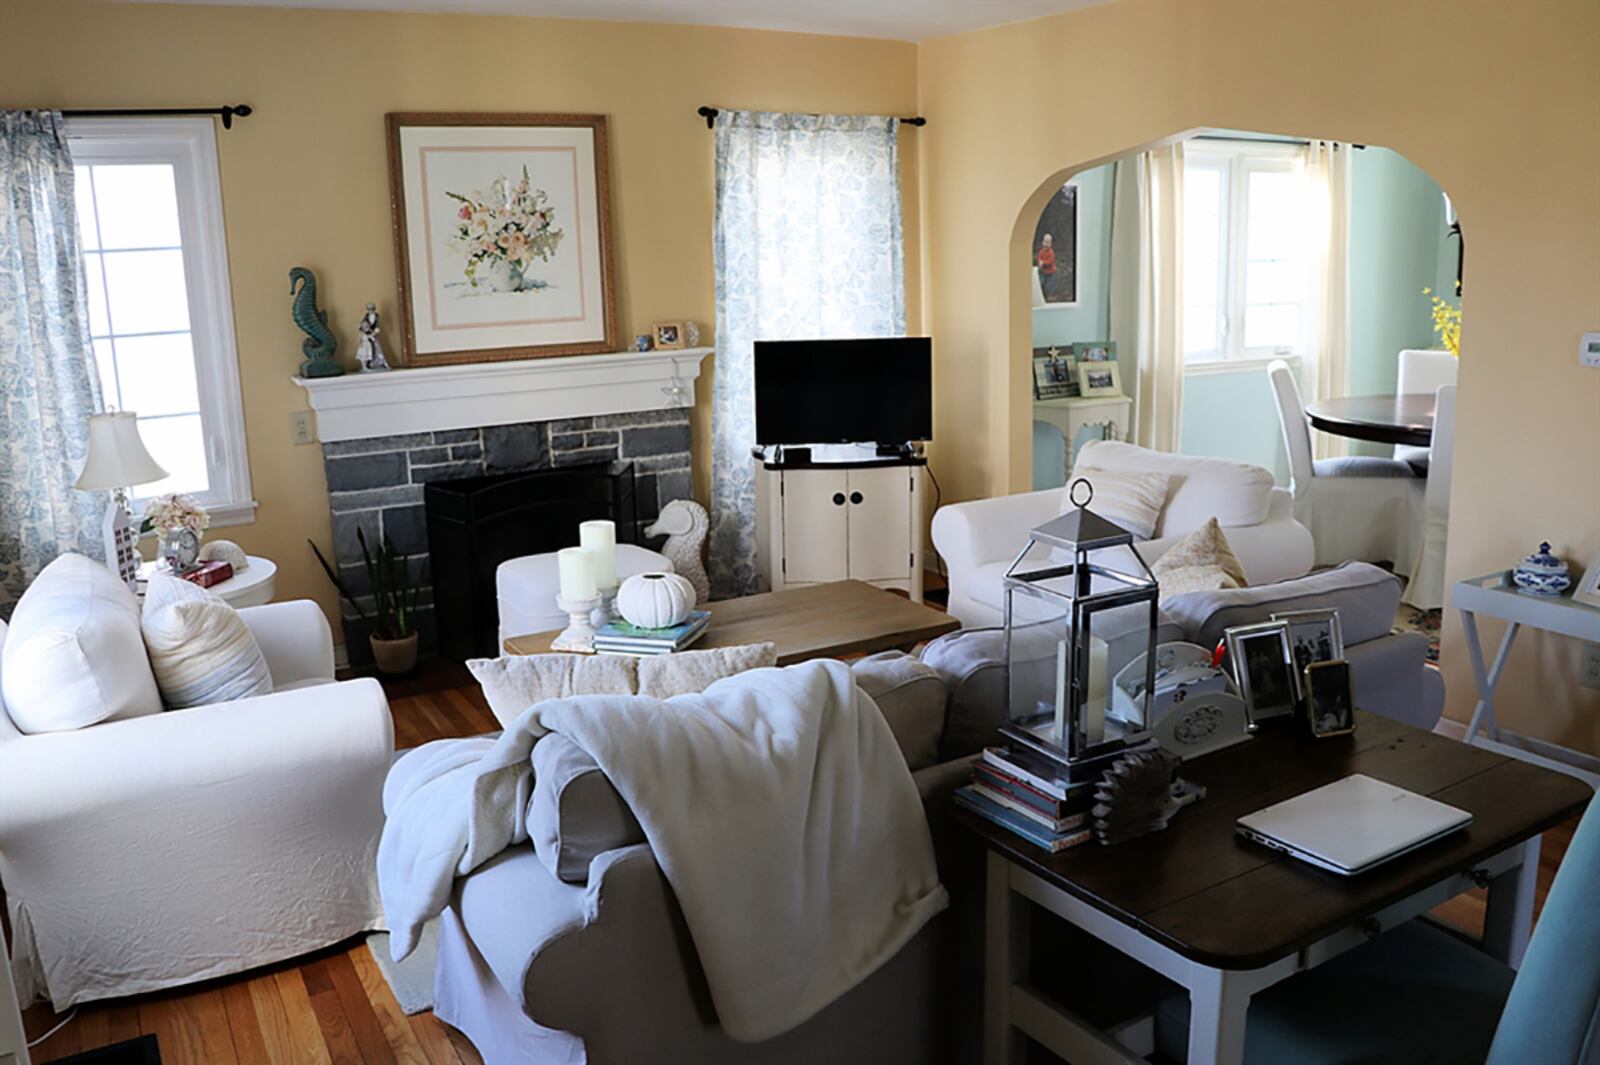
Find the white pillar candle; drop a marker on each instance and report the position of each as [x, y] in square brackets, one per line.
[1058, 736]
[600, 538]
[1094, 707]
[576, 568]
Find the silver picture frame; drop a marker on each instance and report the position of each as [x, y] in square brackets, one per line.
[1263, 669]
[1314, 636]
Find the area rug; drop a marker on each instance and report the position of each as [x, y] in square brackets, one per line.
[140, 1051]
[1427, 622]
[410, 980]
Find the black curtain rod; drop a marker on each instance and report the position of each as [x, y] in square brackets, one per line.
[1262, 140]
[227, 114]
[710, 115]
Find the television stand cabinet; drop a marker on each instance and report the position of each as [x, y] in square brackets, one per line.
[821, 522]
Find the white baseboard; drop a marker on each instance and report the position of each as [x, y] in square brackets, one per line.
[1586, 763]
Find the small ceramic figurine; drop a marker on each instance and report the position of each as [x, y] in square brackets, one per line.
[641, 342]
[369, 350]
[685, 524]
[1541, 573]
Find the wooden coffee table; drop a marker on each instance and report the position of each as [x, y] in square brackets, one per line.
[818, 621]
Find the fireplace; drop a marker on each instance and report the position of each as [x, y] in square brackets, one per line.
[476, 523]
[386, 486]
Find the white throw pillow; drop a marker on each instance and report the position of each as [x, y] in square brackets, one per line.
[200, 649]
[73, 655]
[1200, 562]
[663, 676]
[1237, 493]
[1132, 500]
[512, 683]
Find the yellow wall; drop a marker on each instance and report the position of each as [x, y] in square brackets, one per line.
[1499, 102]
[305, 180]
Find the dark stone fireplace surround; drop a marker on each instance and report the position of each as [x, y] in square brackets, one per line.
[376, 484]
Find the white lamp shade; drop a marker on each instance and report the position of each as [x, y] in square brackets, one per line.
[117, 457]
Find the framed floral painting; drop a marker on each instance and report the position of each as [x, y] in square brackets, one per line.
[502, 236]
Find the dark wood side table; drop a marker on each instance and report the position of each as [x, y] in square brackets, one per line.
[1226, 919]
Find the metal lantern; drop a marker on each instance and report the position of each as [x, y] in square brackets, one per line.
[1070, 628]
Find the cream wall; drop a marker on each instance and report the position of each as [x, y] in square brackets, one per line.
[305, 179]
[1498, 102]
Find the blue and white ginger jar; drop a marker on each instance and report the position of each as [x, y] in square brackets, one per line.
[1541, 573]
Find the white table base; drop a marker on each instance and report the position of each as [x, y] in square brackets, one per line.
[1219, 999]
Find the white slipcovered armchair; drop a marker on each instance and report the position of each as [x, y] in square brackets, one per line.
[980, 539]
[162, 849]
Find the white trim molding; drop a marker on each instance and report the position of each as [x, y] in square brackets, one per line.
[472, 395]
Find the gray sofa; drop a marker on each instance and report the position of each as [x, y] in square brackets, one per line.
[599, 967]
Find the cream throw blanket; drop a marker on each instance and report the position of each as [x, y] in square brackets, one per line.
[776, 802]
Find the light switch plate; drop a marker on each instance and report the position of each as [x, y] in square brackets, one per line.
[1589, 350]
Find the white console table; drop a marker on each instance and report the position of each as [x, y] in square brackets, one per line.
[1075, 413]
[1495, 596]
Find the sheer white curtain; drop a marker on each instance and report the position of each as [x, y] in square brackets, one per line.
[1327, 171]
[1157, 322]
[806, 244]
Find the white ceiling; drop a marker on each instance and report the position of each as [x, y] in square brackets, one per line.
[907, 20]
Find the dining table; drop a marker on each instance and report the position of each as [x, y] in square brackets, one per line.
[1406, 418]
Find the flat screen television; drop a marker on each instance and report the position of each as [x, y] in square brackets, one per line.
[868, 391]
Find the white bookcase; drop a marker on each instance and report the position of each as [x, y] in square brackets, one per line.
[855, 521]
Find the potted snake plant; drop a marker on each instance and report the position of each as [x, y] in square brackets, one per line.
[392, 619]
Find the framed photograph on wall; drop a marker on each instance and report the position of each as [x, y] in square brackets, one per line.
[1055, 373]
[502, 235]
[1055, 251]
[1099, 379]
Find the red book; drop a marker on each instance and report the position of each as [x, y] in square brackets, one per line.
[209, 573]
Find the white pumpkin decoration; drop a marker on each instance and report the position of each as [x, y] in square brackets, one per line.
[655, 600]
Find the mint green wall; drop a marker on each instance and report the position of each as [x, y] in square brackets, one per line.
[1396, 242]
[1233, 416]
[1089, 320]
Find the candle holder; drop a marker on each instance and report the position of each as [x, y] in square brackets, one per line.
[578, 636]
[606, 612]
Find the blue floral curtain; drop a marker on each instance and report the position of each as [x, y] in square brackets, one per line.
[48, 385]
[807, 245]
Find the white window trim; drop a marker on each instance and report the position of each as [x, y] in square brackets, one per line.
[190, 145]
[1239, 158]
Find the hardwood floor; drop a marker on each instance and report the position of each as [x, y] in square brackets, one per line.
[330, 1008]
[334, 1008]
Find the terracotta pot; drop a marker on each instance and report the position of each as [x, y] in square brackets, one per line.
[395, 657]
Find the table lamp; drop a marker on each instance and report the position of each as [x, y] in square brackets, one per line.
[117, 460]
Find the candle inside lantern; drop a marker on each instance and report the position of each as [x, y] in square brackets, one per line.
[575, 566]
[600, 539]
[1059, 736]
[1094, 704]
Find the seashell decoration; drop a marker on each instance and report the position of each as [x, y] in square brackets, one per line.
[224, 551]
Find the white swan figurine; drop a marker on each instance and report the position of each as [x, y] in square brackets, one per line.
[685, 524]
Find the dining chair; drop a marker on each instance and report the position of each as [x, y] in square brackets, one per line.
[1356, 506]
[1418, 994]
[1424, 371]
[1427, 584]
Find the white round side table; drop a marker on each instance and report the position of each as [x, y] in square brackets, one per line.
[252, 586]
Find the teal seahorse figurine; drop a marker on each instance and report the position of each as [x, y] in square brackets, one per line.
[320, 343]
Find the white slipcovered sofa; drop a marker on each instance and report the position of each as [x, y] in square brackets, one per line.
[152, 849]
[980, 539]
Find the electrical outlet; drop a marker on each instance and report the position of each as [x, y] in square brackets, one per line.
[301, 430]
[1590, 678]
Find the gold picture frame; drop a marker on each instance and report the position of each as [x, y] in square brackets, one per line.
[502, 235]
[668, 336]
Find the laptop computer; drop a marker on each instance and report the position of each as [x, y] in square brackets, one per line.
[1352, 825]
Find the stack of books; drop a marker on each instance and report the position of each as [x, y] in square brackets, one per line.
[621, 638]
[1022, 796]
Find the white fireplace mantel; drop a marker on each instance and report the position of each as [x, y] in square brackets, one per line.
[431, 398]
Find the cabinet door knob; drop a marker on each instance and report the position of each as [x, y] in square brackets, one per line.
[838, 499]
[855, 497]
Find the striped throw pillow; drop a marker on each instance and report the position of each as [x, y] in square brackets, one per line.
[201, 651]
[1132, 500]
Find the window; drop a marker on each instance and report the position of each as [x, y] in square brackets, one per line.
[1247, 252]
[160, 308]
